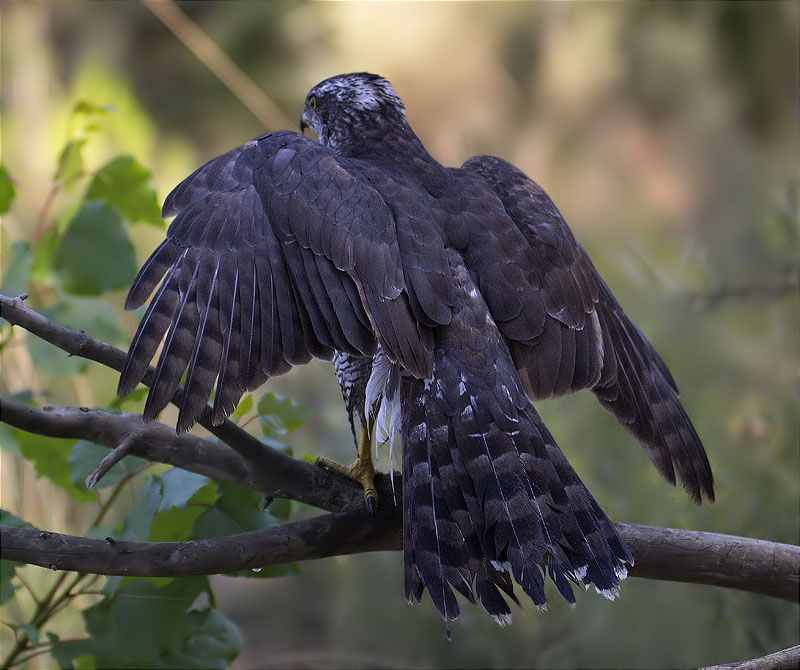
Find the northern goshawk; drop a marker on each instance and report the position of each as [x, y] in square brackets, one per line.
[472, 295]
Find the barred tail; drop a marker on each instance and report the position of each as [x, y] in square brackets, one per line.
[487, 493]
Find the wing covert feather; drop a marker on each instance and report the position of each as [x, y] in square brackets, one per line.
[587, 340]
[280, 250]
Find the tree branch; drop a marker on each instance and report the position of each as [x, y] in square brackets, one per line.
[661, 553]
[769, 568]
[785, 658]
[159, 443]
[326, 535]
[287, 477]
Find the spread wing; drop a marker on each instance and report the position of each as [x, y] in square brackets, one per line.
[280, 251]
[585, 339]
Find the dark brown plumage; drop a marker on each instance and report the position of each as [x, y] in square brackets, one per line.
[472, 288]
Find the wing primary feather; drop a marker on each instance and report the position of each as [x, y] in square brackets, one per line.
[249, 316]
[148, 335]
[273, 361]
[204, 361]
[165, 255]
[229, 303]
[175, 352]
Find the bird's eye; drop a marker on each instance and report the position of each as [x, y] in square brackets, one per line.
[313, 103]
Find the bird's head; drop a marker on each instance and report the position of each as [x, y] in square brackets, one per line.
[341, 108]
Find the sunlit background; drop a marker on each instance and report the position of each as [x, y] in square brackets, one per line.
[666, 133]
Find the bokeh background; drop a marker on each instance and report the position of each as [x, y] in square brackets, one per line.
[667, 134]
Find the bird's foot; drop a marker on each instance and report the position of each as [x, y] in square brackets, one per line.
[362, 471]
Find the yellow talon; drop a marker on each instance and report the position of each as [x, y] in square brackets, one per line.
[361, 470]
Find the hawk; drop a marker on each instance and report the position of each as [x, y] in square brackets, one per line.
[459, 294]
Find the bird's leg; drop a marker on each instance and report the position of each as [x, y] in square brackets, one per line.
[361, 470]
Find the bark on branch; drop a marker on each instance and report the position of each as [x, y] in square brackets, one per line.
[325, 535]
[761, 567]
[785, 659]
[159, 443]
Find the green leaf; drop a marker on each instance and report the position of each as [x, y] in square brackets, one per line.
[149, 625]
[214, 639]
[8, 442]
[281, 508]
[178, 486]
[279, 415]
[126, 184]
[15, 279]
[85, 457]
[43, 257]
[243, 408]
[9, 519]
[52, 360]
[85, 662]
[236, 511]
[7, 190]
[136, 396]
[93, 316]
[30, 630]
[113, 582]
[50, 458]
[22, 397]
[67, 654]
[140, 517]
[70, 162]
[175, 524]
[7, 571]
[95, 254]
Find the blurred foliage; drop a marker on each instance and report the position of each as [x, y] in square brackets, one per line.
[666, 133]
[79, 250]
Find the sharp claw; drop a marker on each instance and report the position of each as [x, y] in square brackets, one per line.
[371, 506]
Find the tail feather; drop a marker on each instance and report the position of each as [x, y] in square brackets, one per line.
[456, 490]
[435, 543]
[487, 493]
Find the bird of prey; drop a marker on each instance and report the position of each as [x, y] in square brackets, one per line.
[462, 295]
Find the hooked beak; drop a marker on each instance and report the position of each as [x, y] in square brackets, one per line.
[304, 122]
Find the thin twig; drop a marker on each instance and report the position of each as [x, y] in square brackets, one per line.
[117, 454]
[41, 221]
[220, 64]
[37, 652]
[28, 588]
[21, 643]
